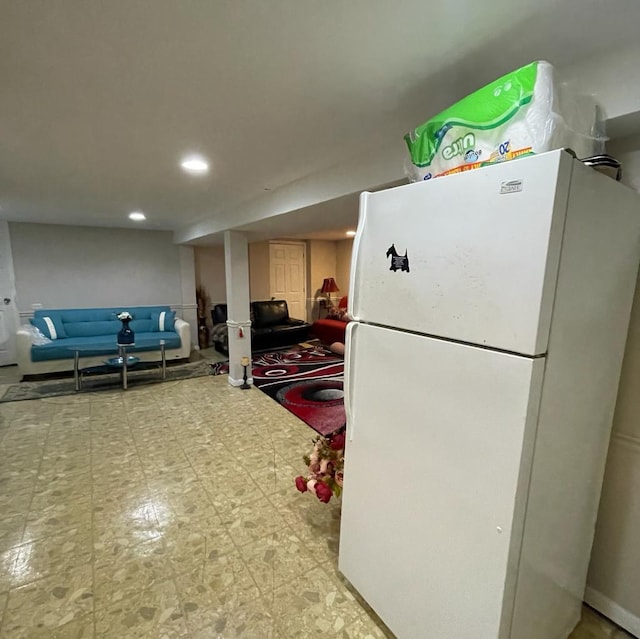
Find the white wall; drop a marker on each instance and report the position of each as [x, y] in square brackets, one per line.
[343, 265]
[321, 262]
[210, 272]
[77, 266]
[259, 265]
[614, 574]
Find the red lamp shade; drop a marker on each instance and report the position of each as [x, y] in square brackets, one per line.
[329, 285]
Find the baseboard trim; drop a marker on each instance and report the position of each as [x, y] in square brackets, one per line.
[613, 611]
[239, 382]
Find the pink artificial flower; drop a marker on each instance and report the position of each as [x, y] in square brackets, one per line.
[314, 462]
[301, 484]
[337, 442]
[339, 478]
[311, 486]
[326, 466]
[323, 492]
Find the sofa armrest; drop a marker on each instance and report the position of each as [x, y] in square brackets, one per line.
[291, 321]
[184, 331]
[24, 341]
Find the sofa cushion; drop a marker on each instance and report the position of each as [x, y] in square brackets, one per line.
[50, 326]
[162, 321]
[288, 328]
[142, 326]
[261, 332]
[270, 313]
[93, 329]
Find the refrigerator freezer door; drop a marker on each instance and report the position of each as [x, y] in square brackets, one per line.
[482, 252]
[437, 468]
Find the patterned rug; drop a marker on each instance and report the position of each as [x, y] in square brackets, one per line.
[110, 381]
[308, 381]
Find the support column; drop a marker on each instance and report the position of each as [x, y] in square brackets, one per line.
[236, 257]
[188, 285]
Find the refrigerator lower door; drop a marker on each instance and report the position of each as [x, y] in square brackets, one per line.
[440, 438]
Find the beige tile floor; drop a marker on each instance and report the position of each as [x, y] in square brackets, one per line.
[169, 511]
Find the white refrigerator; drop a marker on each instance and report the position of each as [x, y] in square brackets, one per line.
[491, 312]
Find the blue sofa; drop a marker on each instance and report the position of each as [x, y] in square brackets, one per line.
[98, 327]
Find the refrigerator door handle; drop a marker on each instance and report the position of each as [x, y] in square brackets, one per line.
[348, 356]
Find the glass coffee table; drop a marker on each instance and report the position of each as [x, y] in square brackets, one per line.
[120, 361]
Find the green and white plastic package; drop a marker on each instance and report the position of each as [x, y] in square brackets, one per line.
[524, 112]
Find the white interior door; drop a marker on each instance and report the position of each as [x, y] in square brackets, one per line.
[439, 446]
[8, 311]
[288, 276]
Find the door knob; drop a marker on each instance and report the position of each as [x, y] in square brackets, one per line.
[7, 300]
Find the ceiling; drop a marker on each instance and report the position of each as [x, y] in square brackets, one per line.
[99, 101]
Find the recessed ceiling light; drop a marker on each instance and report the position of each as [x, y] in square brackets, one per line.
[137, 216]
[351, 233]
[195, 164]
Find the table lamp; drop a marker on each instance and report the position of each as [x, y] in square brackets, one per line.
[328, 286]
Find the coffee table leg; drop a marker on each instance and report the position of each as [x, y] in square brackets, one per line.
[123, 354]
[164, 361]
[76, 369]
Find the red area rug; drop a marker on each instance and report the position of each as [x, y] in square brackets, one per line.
[306, 381]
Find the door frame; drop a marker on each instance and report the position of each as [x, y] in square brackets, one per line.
[8, 355]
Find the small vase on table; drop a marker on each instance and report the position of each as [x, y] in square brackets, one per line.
[126, 335]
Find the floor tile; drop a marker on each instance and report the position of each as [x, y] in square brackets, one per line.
[151, 613]
[317, 524]
[83, 628]
[46, 517]
[174, 482]
[15, 502]
[119, 528]
[11, 530]
[133, 569]
[193, 502]
[63, 463]
[49, 603]
[222, 597]
[62, 488]
[595, 626]
[57, 554]
[249, 522]
[205, 453]
[229, 486]
[277, 559]
[314, 605]
[108, 474]
[192, 542]
[163, 462]
[20, 470]
[3, 603]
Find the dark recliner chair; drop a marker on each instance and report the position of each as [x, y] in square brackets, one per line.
[271, 326]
